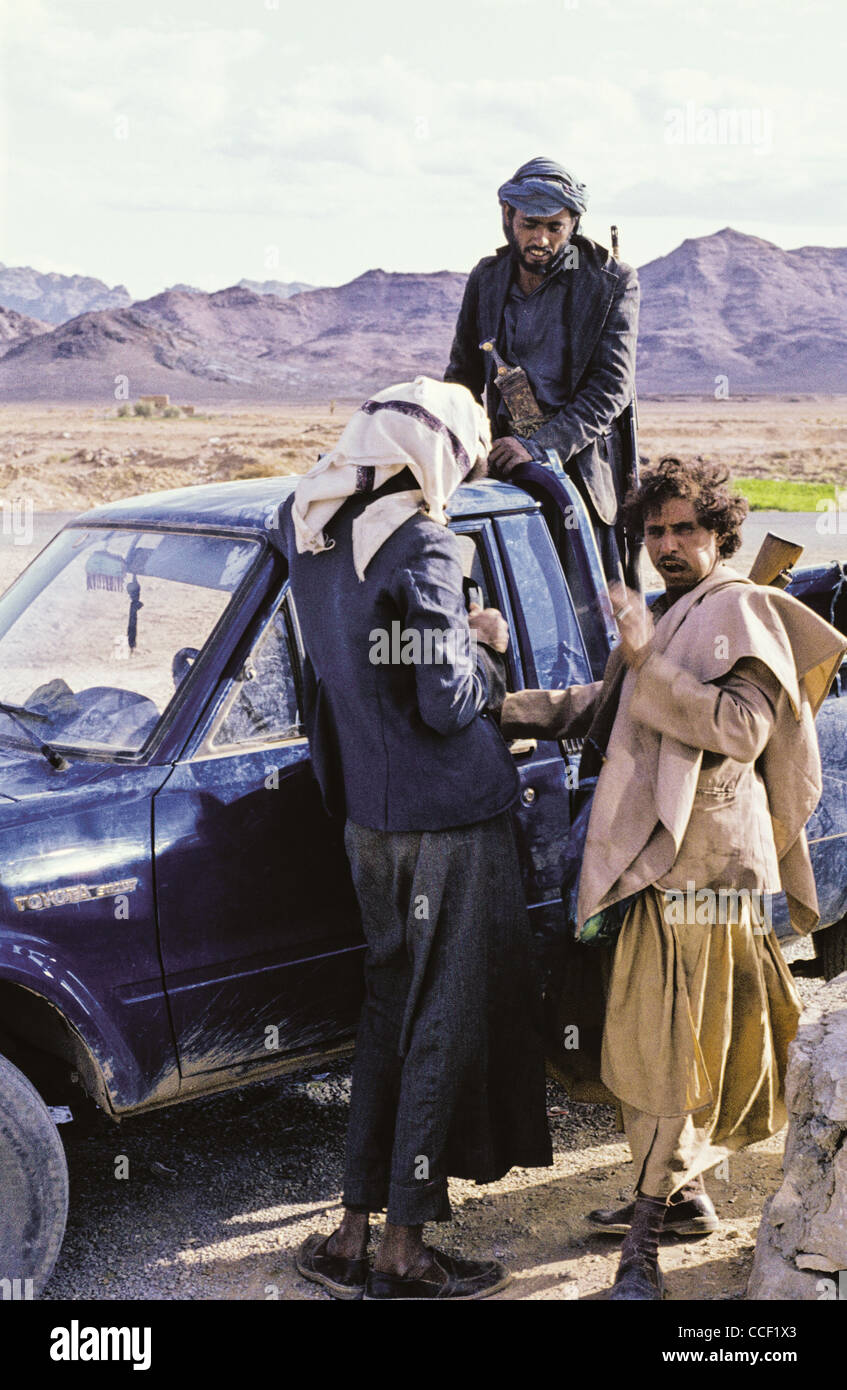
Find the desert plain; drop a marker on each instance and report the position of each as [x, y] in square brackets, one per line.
[66, 458]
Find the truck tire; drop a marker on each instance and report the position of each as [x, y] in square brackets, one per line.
[831, 949]
[33, 1187]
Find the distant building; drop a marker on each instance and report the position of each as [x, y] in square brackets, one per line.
[187, 409]
[159, 402]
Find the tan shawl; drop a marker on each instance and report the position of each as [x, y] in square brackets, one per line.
[646, 787]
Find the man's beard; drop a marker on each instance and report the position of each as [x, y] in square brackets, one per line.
[532, 267]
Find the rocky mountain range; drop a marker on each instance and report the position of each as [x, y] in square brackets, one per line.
[18, 328]
[55, 298]
[722, 306]
[284, 289]
[239, 345]
[737, 306]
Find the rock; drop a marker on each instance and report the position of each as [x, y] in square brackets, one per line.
[827, 1235]
[803, 1234]
[818, 1262]
[775, 1278]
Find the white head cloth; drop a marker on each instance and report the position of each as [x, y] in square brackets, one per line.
[434, 428]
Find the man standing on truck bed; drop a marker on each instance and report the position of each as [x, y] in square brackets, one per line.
[561, 308]
[710, 770]
[448, 1077]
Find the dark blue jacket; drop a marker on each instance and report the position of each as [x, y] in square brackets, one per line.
[603, 325]
[395, 746]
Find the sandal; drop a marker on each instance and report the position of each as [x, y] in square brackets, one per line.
[464, 1279]
[342, 1277]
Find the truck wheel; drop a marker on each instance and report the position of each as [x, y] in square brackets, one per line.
[831, 949]
[33, 1184]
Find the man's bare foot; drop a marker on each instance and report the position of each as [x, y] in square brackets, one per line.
[350, 1239]
[402, 1251]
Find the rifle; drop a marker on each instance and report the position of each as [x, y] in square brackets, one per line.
[629, 547]
[773, 563]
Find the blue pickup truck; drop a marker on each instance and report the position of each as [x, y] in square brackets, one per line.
[176, 913]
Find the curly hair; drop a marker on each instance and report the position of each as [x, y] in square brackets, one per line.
[704, 484]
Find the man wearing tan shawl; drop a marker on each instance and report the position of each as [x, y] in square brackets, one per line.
[711, 770]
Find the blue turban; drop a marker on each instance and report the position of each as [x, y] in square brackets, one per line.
[541, 188]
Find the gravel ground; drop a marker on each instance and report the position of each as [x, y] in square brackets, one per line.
[219, 1193]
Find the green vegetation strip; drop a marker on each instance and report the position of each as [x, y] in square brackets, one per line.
[774, 495]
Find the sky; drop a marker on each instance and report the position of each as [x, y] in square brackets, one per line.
[200, 141]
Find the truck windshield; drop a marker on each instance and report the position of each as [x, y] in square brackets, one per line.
[100, 631]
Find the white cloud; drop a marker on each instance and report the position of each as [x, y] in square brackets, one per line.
[379, 135]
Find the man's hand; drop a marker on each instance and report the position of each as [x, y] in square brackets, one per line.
[634, 624]
[490, 626]
[506, 454]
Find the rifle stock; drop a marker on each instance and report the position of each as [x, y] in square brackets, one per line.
[773, 563]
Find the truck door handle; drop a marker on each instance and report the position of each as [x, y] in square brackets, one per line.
[520, 747]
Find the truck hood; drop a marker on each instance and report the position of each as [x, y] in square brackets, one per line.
[25, 774]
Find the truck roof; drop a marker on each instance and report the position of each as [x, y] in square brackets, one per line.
[247, 504]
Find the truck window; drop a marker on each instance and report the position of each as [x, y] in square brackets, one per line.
[100, 632]
[553, 650]
[265, 707]
[477, 588]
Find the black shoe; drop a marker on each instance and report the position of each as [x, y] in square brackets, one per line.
[464, 1279]
[696, 1216]
[343, 1278]
[639, 1277]
[637, 1281]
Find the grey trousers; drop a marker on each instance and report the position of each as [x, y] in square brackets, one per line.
[448, 1077]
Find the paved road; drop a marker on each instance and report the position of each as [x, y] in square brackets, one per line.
[803, 527]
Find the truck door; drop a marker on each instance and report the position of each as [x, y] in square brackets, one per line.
[260, 932]
[552, 656]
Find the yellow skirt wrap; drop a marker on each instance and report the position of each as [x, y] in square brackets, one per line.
[698, 1021]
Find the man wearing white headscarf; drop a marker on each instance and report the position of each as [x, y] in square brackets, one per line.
[449, 1073]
